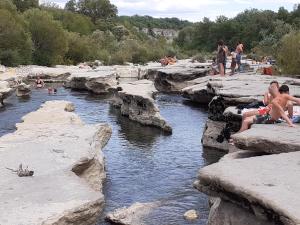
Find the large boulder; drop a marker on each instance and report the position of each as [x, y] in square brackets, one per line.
[136, 100]
[214, 137]
[65, 155]
[23, 90]
[266, 187]
[132, 215]
[5, 91]
[174, 78]
[99, 82]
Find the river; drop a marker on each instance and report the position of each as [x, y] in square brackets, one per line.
[143, 164]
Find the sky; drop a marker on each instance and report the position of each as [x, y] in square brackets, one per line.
[193, 10]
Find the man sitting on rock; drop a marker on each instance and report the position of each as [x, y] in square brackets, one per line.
[277, 110]
[272, 92]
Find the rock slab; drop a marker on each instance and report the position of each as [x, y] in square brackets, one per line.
[99, 82]
[136, 100]
[68, 165]
[274, 139]
[132, 215]
[266, 186]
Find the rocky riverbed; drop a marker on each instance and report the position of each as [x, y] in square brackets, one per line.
[245, 187]
[257, 183]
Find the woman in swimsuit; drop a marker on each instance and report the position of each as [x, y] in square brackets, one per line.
[221, 57]
[39, 82]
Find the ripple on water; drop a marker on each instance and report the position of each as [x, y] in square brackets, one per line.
[143, 164]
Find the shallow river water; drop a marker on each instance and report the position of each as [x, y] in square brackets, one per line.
[143, 164]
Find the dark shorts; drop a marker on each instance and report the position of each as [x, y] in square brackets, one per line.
[238, 58]
[264, 119]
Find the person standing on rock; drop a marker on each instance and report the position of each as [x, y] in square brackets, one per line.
[239, 50]
[221, 57]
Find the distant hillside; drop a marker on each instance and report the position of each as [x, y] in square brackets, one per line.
[150, 22]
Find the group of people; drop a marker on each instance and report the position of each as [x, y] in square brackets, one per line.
[278, 104]
[168, 60]
[39, 83]
[219, 62]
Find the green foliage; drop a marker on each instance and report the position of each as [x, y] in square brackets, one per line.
[150, 22]
[9, 6]
[97, 9]
[71, 6]
[15, 42]
[48, 36]
[72, 22]
[23, 5]
[288, 55]
[79, 49]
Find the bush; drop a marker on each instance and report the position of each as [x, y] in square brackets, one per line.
[288, 55]
[48, 36]
[79, 49]
[15, 42]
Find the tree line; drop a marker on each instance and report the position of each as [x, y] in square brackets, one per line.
[263, 33]
[86, 30]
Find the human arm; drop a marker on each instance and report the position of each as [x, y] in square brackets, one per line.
[266, 98]
[279, 111]
[293, 99]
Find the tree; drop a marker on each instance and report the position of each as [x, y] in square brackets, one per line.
[48, 36]
[288, 54]
[15, 42]
[23, 5]
[71, 6]
[97, 9]
[283, 14]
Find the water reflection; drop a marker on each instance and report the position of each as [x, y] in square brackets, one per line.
[135, 133]
[142, 164]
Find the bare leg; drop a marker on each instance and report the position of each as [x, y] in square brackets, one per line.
[247, 122]
[250, 113]
[222, 72]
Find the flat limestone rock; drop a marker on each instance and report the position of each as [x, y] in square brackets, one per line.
[239, 88]
[267, 186]
[136, 100]
[226, 213]
[99, 82]
[269, 138]
[68, 165]
[132, 215]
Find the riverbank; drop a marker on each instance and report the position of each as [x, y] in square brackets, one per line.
[256, 182]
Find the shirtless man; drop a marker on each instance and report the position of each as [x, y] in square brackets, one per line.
[277, 110]
[279, 104]
[268, 97]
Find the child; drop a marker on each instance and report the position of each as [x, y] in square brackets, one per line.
[233, 62]
[214, 67]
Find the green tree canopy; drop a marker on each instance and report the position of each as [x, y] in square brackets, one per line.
[15, 42]
[97, 9]
[23, 5]
[48, 36]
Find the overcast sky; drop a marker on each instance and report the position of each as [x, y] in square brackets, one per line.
[193, 10]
